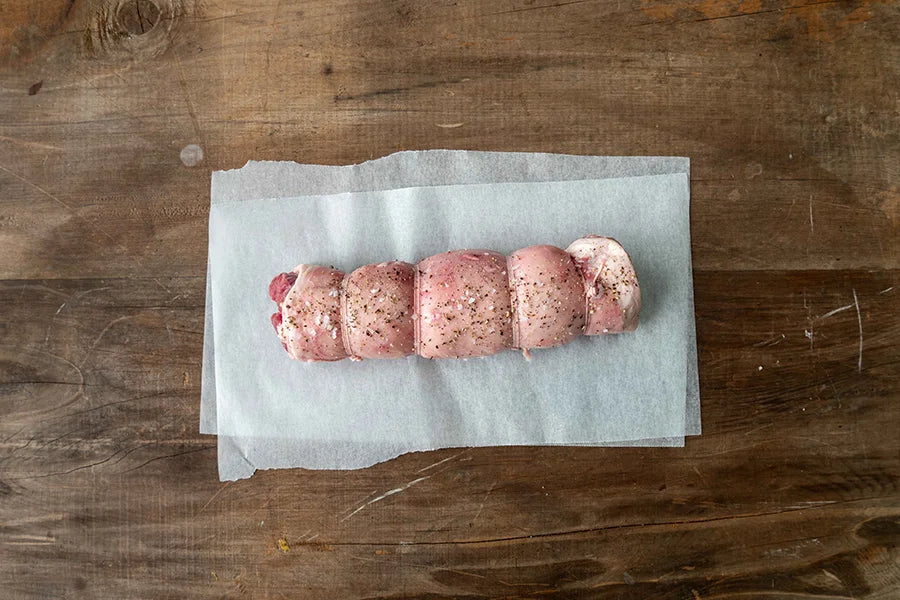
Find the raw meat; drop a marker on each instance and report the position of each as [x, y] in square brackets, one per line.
[377, 311]
[611, 285]
[463, 305]
[458, 304]
[547, 296]
[310, 326]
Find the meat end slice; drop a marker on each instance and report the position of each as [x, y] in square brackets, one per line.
[377, 302]
[610, 282]
[281, 285]
[310, 326]
[463, 307]
[548, 297]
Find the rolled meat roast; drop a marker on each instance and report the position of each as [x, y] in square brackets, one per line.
[458, 304]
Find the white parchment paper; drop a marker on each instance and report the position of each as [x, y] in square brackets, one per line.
[274, 412]
[277, 179]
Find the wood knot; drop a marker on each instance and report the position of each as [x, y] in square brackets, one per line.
[133, 29]
[137, 17]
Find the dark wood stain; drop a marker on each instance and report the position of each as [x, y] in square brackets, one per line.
[789, 117]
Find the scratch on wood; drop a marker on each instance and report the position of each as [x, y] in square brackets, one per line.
[67, 207]
[187, 96]
[29, 520]
[770, 342]
[886, 290]
[700, 475]
[159, 283]
[834, 312]
[812, 226]
[402, 488]
[755, 429]
[99, 337]
[81, 295]
[483, 500]
[859, 322]
[38, 188]
[542, 7]
[662, 14]
[30, 540]
[214, 496]
[440, 462]
[833, 576]
[52, 319]
[26, 143]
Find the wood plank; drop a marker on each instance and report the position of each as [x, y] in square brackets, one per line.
[794, 483]
[820, 149]
[788, 112]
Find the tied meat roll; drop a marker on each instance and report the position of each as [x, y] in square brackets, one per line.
[463, 305]
[458, 304]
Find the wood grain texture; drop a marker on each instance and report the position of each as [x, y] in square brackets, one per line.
[788, 110]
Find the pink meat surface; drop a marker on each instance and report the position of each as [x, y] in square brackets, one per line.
[281, 285]
[611, 285]
[310, 325]
[547, 297]
[463, 305]
[377, 307]
[458, 304]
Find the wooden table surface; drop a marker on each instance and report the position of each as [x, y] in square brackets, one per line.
[790, 113]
